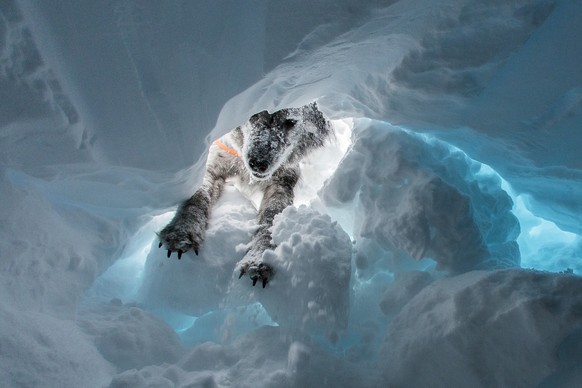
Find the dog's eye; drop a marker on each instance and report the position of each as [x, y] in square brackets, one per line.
[289, 123]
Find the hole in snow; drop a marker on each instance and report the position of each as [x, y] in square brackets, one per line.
[540, 242]
[123, 278]
[544, 246]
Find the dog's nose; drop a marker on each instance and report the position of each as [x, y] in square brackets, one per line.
[258, 165]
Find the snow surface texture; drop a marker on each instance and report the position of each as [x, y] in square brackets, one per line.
[458, 109]
[425, 199]
[510, 322]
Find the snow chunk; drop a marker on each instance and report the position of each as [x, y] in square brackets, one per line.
[422, 197]
[483, 329]
[310, 289]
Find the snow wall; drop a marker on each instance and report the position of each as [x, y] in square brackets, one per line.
[434, 242]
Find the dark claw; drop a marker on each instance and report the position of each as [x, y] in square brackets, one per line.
[180, 254]
[169, 253]
[196, 251]
[261, 272]
[160, 244]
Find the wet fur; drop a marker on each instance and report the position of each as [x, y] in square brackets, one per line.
[270, 146]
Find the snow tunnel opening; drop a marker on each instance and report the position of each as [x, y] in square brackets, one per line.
[543, 245]
[220, 319]
[123, 281]
[123, 278]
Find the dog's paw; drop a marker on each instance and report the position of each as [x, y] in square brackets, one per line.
[179, 238]
[256, 272]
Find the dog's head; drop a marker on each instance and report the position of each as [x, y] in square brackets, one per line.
[272, 139]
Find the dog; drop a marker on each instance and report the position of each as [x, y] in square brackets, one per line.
[265, 153]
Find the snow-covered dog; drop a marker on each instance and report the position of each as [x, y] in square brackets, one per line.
[263, 152]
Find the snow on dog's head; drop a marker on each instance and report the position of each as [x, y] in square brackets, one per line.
[271, 140]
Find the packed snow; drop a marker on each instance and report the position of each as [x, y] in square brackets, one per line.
[427, 200]
[434, 241]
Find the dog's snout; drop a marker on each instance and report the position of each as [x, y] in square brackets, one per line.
[258, 165]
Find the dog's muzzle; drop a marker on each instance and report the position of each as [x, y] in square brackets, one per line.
[258, 168]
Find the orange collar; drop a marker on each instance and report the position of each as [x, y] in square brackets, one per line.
[226, 148]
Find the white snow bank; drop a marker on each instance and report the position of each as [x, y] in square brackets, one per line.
[39, 350]
[129, 337]
[418, 195]
[45, 264]
[268, 357]
[483, 329]
[49, 257]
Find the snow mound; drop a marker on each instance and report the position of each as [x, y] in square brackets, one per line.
[419, 196]
[128, 336]
[39, 350]
[404, 287]
[483, 329]
[293, 361]
[313, 263]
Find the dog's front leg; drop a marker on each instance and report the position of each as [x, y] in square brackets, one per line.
[278, 195]
[187, 228]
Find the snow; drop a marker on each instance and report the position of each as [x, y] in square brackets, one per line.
[426, 199]
[267, 357]
[129, 337]
[435, 241]
[313, 262]
[509, 321]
